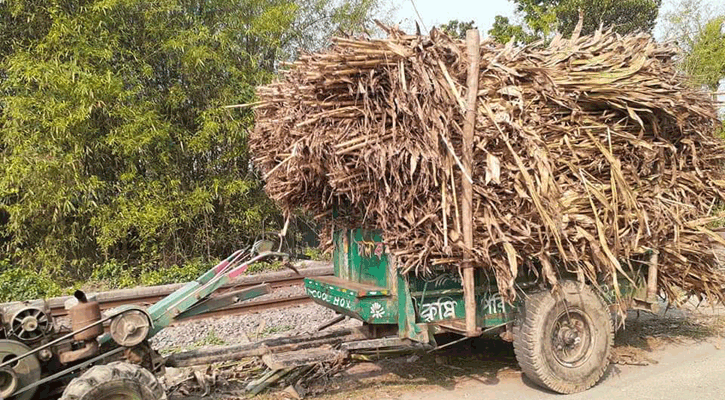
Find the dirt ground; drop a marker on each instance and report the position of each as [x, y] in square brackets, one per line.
[487, 368]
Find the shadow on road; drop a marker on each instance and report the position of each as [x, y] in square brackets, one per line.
[485, 360]
[644, 333]
[481, 360]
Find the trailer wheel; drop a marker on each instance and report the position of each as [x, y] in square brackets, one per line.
[115, 381]
[563, 342]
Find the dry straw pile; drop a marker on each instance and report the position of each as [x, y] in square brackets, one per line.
[588, 153]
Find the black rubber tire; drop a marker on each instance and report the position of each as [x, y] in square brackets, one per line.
[544, 322]
[115, 381]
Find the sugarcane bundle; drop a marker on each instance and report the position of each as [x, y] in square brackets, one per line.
[588, 152]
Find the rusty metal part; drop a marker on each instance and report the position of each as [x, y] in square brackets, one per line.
[130, 329]
[238, 352]
[58, 343]
[90, 348]
[146, 357]
[507, 334]
[82, 315]
[135, 355]
[331, 322]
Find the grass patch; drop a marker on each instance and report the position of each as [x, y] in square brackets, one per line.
[275, 329]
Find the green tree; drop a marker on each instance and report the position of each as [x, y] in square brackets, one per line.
[700, 31]
[623, 16]
[316, 20]
[457, 28]
[503, 31]
[705, 63]
[541, 18]
[684, 21]
[114, 139]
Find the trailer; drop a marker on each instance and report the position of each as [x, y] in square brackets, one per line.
[562, 337]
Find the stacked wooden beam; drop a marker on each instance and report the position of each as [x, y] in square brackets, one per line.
[588, 153]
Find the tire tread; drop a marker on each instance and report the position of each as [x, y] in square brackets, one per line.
[525, 341]
[79, 387]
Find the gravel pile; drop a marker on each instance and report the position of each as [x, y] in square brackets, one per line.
[238, 329]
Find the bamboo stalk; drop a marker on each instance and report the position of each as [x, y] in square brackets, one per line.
[652, 277]
[444, 209]
[473, 43]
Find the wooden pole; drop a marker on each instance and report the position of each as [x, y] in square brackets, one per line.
[473, 46]
[652, 277]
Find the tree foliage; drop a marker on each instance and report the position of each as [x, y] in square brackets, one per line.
[504, 31]
[458, 28]
[700, 31]
[706, 61]
[541, 18]
[114, 138]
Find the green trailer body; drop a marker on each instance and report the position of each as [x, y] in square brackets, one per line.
[368, 286]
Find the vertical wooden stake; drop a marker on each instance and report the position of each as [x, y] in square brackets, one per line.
[652, 277]
[473, 46]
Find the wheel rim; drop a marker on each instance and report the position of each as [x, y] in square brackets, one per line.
[572, 340]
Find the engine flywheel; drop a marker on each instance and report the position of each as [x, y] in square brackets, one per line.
[19, 374]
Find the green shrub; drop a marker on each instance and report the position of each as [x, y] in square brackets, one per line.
[17, 284]
[174, 274]
[114, 275]
[316, 254]
[264, 266]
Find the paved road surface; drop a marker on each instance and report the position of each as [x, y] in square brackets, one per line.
[691, 371]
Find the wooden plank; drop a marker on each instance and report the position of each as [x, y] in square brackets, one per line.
[376, 344]
[299, 358]
[260, 348]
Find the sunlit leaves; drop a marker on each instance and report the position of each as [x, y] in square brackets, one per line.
[541, 19]
[114, 137]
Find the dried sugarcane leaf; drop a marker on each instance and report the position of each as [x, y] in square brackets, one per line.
[588, 153]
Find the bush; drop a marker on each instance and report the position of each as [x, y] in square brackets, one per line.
[316, 254]
[264, 266]
[114, 275]
[17, 284]
[174, 274]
